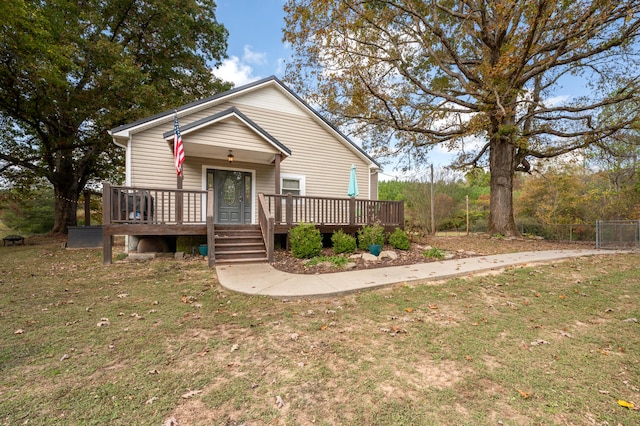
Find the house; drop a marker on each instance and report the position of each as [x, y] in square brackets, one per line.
[258, 160]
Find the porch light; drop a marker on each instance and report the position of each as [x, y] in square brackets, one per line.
[230, 157]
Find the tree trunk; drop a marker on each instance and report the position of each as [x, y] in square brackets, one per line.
[501, 158]
[66, 208]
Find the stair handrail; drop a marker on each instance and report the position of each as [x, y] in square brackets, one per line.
[267, 226]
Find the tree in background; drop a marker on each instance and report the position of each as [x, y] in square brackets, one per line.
[450, 192]
[30, 212]
[71, 70]
[573, 194]
[406, 75]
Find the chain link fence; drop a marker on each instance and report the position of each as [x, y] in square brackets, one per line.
[605, 234]
[618, 234]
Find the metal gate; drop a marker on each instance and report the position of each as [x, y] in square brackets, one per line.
[618, 234]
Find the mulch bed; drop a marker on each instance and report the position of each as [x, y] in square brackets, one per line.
[454, 247]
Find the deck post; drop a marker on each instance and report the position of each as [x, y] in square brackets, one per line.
[289, 209]
[401, 215]
[278, 186]
[179, 200]
[107, 238]
[211, 237]
[352, 211]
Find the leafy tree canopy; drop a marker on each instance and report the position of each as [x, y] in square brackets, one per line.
[70, 70]
[406, 75]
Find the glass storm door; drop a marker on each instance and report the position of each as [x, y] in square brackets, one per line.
[232, 195]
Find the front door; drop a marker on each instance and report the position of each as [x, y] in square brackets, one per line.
[232, 191]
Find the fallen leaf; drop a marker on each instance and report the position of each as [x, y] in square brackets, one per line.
[18, 331]
[324, 327]
[562, 296]
[408, 310]
[565, 334]
[150, 401]
[191, 393]
[627, 404]
[123, 295]
[630, 320]
[524, 394]
[235, 347]
[279, 401]
[65, 356]
[433, 306]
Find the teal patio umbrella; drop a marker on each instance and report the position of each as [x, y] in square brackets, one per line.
[353, 183]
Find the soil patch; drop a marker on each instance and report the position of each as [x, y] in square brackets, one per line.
[454, 247]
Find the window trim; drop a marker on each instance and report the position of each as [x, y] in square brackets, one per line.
[290, 176]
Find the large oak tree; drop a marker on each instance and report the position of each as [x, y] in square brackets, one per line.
[406, 75]
[70, 70]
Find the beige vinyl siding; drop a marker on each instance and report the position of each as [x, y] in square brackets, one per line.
[229, 134]
[316, 153]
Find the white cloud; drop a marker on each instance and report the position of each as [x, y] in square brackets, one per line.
[251, 57]
[234, 70]
[557, 100]
[241, 71]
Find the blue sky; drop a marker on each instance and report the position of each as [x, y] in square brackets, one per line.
[255, 46]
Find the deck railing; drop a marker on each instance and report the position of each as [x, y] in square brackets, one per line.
[131, 205]
[180, 209]
[294, 209]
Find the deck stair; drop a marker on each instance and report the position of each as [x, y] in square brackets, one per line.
[239, 244]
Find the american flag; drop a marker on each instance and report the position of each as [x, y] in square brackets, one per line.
[178, 148]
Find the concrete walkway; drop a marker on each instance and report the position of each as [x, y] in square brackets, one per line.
[263, 279]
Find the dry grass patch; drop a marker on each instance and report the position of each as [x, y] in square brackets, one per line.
[547, 344]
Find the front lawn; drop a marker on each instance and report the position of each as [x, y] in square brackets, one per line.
[148, 342]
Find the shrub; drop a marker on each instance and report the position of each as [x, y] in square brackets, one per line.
[399, 240]
[368, 235]
[305, 240]
[433, 253]
[342, 242]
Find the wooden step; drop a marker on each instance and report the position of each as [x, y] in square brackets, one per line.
[239, 244]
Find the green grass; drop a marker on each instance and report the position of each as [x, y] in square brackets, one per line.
[464, 352]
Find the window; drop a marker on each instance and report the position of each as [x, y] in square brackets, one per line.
[292, 184]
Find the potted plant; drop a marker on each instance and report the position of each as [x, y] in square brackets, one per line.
[371, 238]
[375, 249]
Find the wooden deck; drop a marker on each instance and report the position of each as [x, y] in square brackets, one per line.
[175, 212]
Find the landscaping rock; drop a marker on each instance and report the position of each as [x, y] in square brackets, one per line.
[153, 245]
[388, 255]
[368, 257]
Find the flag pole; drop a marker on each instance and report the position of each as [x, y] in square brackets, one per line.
[178, 153]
